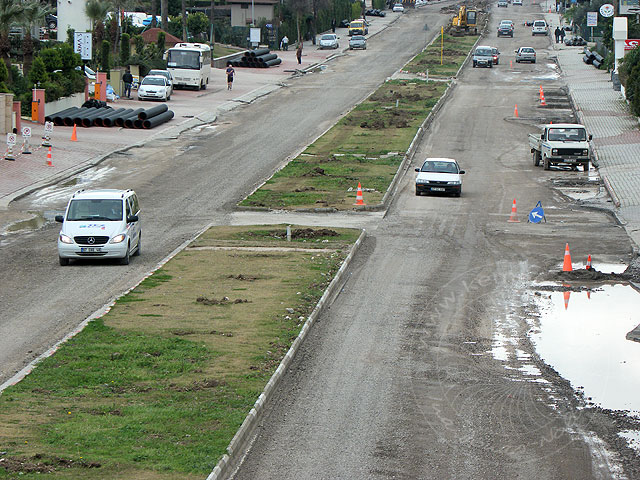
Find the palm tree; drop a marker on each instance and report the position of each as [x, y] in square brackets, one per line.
[10, 13]
[96, 10]
[184, 20]
[164, 14]
[32, 14]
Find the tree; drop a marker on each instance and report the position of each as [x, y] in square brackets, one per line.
[300, 8]
[4, 76]
[10, 13]
[32, 13]
[51, 59]
[105, 52]
[97, 11]
[38, 73]
[125, 48]
[317, 5]
[154, 13]
[197, 23]
[164, 14]
[212, 18]
[160, 42]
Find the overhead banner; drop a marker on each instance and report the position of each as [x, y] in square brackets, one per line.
[592, 19]
[628, 7]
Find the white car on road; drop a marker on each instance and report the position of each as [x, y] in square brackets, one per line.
[398, 8]
[154, 87]
[439, 175]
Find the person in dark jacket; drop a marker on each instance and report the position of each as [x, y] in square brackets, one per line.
[557, 34]
[127, 79]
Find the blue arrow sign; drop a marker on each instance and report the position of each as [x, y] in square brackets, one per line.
[536, 215]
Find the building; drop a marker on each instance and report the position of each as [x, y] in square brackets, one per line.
[241, 11]
[71, 14]
[151, 36]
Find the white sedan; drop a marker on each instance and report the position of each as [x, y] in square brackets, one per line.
[328, 40]
[154, 87]
[439, 175]
[398, 8]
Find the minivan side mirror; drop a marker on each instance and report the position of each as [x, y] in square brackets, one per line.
[417, 169]
[542, 136]
[132, 218]
[461, 172]
[515, 51]
[59, 218]
[590, 137]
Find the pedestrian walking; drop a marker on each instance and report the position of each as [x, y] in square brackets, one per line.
[562, 34]
[333, 26]
[284, 43]
[557, 34]
[299, 53]
[127, 79]
[230, 73]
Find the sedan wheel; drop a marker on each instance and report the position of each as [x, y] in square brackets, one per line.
[63, 261]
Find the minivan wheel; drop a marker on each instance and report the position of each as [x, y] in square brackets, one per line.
[63, 261]
[125, 260]
[137, 252]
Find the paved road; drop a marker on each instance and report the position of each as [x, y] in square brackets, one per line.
[398, 378]
[184, 185]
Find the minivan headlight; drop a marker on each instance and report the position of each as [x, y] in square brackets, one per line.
[65, 239]
[118, 238]
[454, 182]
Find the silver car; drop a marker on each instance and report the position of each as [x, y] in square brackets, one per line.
[525, 54]
[357, 41]
[483, 57]
[328, 40]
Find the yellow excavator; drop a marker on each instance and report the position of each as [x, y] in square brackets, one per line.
[465, 22]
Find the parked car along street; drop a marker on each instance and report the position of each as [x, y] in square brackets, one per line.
[154, 87]
[357, 41]
[328, 40]
[166, 74]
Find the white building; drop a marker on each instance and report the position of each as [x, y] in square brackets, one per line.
[71, 14]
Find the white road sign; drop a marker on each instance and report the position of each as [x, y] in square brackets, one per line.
[82, 44]
[48, 127]
[12, 138]
[592, 19]
[26, 131]
[607, 10]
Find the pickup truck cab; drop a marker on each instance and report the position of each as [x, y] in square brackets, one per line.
[561, 144]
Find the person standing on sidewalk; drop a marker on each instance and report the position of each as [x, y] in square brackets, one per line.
[230, 73]
[333, 26]
[284, 43]
[299, 53]
[127, 79]
[562, 34]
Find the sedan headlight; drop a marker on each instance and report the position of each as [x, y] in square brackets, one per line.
[454, 182]
[65, 239]
[585, 152]
[118, 238]
[421, 181]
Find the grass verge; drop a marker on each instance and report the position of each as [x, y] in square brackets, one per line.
[156, 388]
[454, 52]
[365, 146]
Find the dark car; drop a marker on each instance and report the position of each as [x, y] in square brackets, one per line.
[505, 29]
[51, 21]
[344, 23]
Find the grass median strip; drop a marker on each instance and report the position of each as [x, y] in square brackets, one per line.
[454, 53]
[156, 388]
[365, 146]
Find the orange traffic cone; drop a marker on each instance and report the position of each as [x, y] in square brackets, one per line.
[514, 213]
[510, 63]
[541, 93]
[588, 267]
[74, 137]
[566, 266]
[49, 163]
[542, 102]
[588, 294]
[515, 111]
[359, 198]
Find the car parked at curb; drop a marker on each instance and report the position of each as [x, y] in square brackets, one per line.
[166, 74]
[357, 42]
[503, 3]
[328, 40]
[439, 175]
[539, 27]
[154, 87]
[100, 224]
[398, 7]
[517, 2]
[525, 54]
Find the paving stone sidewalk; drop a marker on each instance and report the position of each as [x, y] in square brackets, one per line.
[616, 136]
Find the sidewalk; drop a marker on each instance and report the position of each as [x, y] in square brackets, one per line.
[616, 138]
[192, 108]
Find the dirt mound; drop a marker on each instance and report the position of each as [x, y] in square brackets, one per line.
[246, 278]
[317, 171]
[222, 301]
[311, 233]
[593, 275]
[38, 464]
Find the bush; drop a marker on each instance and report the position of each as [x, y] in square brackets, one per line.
[51, 59]
[38, 72]
[125, 49]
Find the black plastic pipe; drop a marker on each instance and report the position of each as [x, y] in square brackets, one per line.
[266, 58]
[157, 120]
[152, 112]
[257, 52]
[109, 121]
[273, 63]
[87, 120]
[120, 121]
[99, 120]
[60, 114]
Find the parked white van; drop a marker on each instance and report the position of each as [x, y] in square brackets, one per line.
[100, 224]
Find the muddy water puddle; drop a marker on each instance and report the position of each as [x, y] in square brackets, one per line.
[583, 336]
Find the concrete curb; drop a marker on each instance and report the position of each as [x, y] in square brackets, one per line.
[241, 440]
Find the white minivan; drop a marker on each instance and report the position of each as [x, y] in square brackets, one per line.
[539, 27]
[100, 224]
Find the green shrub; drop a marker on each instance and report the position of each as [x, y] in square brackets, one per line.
[105, 54]
[125, 49]
[51, 59]
[38, 72]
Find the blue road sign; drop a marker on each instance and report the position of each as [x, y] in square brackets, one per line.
[536, 215]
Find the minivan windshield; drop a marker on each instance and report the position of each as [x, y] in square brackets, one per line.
[109, 210]
[439, 167]
[483, 51]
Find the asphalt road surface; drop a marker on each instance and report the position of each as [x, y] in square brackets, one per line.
[396, 380]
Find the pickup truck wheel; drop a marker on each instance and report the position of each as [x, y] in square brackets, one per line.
[585, 166]
[536, 159]
[547, 164]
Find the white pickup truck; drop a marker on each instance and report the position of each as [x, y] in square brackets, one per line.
[561, 144]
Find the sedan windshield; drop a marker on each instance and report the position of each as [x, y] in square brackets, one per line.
[439, 167]
[567, 134]
[328, 37]
[109, 210]
[483, 51]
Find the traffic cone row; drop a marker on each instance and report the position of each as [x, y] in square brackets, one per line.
[359, 197]
[515, 111]
[542, 102]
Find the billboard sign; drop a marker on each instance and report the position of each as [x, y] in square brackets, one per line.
[629, 7]
[592, 19]
[82, 44]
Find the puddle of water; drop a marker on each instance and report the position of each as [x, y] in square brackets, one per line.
[601, 267]
[633, 439]
[30, 224]
[582, 336]
[64, 190]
